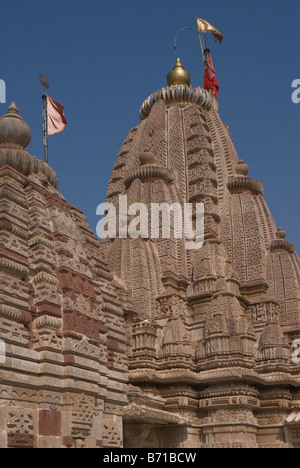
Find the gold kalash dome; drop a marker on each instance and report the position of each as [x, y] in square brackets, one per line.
[178, 75]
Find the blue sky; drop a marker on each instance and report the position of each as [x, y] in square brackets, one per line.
[103, 58]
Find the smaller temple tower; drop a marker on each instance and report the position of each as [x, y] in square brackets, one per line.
[63, 378]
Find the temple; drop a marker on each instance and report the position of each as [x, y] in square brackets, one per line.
[141, 342]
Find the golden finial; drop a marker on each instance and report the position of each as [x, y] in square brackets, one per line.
[179, 76]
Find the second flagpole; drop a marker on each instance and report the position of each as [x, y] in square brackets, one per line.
[45, 127]
[45, 83]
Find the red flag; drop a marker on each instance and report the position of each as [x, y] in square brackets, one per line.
[210, 79]
[56, 117]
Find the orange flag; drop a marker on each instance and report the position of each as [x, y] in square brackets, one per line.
[56, 117]
[210, 79]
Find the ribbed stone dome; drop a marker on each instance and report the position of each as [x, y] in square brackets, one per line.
[13, 129]
[242, 169]
[147, 158]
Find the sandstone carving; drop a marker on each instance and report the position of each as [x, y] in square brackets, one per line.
[142, 342]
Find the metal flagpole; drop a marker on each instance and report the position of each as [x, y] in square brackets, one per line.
[178, 32]
[206, 53]
[202, 48]
[200, 40]
[45, 83]
[45, 127]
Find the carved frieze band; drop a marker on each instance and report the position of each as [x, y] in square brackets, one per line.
[265, 312]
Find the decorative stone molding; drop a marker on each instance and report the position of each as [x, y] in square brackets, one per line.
[202, 286]
[233, 445]
[170, 306]
[177, 94]
[237, 416]
[144, 337]
[71, 280]
[76, 324]
[228, 336]
[46, 321]
[278, 245]
[104, 274]
[245, 184]
[273, 350]
[20, 428]
[263, 312]
[17, 268]
[9, 172]
[44, 277]
[8, 195]
[26, 164]
[151, 173]
[112, 309]
[208, 286]
[177, 340]
[11, 313]
[7, 225]
[135, 412]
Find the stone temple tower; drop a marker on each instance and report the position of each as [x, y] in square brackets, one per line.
[141, 342]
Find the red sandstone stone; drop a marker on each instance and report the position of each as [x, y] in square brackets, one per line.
[49, 423]
[20, 441]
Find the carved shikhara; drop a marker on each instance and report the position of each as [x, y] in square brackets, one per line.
[140, 342]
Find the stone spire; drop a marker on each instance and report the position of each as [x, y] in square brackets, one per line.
[52, 275]
[13, 129]
[15, 136]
